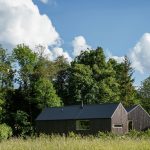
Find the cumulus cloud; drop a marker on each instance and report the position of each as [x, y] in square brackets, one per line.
[44, 1]
[57, 51]
[79, 44]
[117, 58]
[140, 54]
[21, 22]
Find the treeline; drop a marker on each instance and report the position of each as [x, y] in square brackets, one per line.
[29, 82]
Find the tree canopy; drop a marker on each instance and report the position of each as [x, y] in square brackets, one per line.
[29, 82]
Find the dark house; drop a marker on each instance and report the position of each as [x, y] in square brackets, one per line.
[87, 119]
[138, 118]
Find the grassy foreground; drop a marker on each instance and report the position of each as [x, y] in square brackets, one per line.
[75, 143]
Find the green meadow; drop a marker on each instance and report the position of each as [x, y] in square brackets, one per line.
[57, 142]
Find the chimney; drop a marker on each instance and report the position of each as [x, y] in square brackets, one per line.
[81, 104]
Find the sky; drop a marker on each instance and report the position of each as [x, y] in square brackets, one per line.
[65, 27]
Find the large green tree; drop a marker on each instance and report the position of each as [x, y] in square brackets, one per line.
[144, 93]
[6, 81]
[6, 71]
[44, 94]
[26, 61]
[124, 73]
[35, 75]
[89, 79]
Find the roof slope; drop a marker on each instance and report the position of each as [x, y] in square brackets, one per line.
[130, 108]
[78, 112]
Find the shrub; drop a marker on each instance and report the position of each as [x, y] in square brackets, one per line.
[102, 134]
[134, 134]
[147, 132]
[74, 135]
[22, 126]
[5, 131]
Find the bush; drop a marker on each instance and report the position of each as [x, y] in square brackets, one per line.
[133, 133]
[5, 131]
[107, 135]
[74, 135]
[22, 126]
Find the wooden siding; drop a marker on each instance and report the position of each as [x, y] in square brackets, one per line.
[120, 117]
[65, 126]
[140, 118]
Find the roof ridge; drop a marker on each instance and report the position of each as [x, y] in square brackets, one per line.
[84, 105]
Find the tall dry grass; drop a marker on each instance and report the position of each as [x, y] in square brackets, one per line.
[75, 143]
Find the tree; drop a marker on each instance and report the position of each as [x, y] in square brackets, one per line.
[26, 60]
[6, 81]
[21, 126]
[89, 79]
[124, 72]
[80, 84]
[35, 77]
[6, 71]
[144, 93]
[44, 94]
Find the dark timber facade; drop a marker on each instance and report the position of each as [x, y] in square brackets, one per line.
[138, 118]
[87, 119]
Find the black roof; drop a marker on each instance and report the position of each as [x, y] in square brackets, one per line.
[78, 112]
[130, 108]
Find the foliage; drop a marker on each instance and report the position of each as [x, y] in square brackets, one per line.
[26, 60]
[144, 93]
[89, 79]
[6, 71]
[34, 75]
[45, 94]
[2, 101]
[30, 81]
[5, 131]
[22, 126]
[124, 72]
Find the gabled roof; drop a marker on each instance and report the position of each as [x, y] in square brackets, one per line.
[131, 108]
[78, 112]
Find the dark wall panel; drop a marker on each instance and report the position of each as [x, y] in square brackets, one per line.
[66, 126]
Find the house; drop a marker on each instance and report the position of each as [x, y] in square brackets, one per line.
[138, 118]
[85, 119]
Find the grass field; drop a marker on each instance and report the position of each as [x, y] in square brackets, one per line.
[75, 143]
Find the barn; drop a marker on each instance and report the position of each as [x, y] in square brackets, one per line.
[138, 118]
[85, 119]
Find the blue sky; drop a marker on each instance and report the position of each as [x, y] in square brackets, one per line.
[121, 27]
[116, 25]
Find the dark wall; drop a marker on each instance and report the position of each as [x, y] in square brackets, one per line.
[55, 126]
[140, 118]
[65, 126]
[120, 117]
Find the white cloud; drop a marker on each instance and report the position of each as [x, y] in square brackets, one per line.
[140, 54]
[79, 44]
[117, 58]
[50, 2]
[21, 22]
[44, 1]
[57, 51]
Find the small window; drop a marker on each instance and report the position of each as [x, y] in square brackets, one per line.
[82, 125]
[118, 125]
